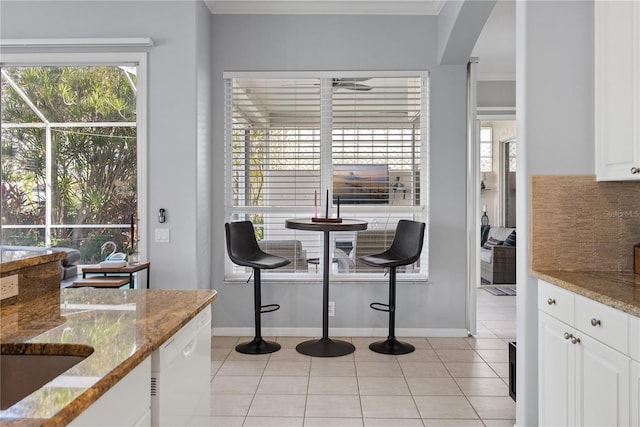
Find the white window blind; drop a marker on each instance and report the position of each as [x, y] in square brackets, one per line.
[289, 141]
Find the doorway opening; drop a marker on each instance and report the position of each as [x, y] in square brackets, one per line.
[495, 299]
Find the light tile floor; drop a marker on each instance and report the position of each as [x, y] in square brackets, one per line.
[445, 382]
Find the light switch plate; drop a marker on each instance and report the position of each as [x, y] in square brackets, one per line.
[162, 235]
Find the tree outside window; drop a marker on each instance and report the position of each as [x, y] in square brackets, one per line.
[69, 157]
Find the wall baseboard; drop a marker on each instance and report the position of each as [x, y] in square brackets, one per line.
[342, 332]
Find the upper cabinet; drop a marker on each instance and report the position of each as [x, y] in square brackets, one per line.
[617, 90]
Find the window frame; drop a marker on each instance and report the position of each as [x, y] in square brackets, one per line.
[418, 212]
[139, 59]
[489, 144]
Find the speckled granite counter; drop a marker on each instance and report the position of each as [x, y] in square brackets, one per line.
[11, 260]
[615, 289]
[38, 272]
[123, 326]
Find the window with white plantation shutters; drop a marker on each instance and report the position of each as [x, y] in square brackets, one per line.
[293, 140]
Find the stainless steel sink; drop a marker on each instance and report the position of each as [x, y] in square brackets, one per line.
[26, 367]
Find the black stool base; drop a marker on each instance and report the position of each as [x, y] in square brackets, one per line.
[325, 347]
[391, 346]
[258, 346]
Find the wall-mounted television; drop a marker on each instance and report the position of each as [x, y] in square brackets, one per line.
[361, 184]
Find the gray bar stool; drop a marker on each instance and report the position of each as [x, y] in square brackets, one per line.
[404, 250]
[243, 249]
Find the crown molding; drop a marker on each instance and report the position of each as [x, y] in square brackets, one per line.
[326, 7]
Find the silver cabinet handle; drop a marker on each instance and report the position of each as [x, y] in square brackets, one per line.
[567, 335]
[595, 322]
[551, 301]
[575, 340]
[635, 170]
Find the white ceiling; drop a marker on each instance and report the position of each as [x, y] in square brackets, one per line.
[495, 47]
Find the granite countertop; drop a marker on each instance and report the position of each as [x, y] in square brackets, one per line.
[11, 260]
[123, 326]
[612, 288]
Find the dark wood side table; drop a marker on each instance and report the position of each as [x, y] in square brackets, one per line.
[119, 271]
[325, 346]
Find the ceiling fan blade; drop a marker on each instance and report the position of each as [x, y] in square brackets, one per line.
[357, 86]
[351, 84]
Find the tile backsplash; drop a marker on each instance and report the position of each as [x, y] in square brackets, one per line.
[579, 224]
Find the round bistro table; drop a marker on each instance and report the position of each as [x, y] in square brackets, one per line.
[325, 346]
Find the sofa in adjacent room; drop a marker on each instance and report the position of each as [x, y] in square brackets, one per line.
[498, 256]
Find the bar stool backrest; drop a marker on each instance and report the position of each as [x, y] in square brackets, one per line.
[241, 242]
[406, 246]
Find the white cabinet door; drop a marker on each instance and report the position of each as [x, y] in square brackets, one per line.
[556, 372]
[617, 90]
[602, 383]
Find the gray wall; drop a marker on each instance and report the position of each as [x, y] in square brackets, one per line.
[178, 113]
[555, 136]
[496, 94]
[203, 158]
[299, 42]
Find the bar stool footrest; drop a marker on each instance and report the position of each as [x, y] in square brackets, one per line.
[380, 306]
[269, 308]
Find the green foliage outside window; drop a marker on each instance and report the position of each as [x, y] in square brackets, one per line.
[93, 167]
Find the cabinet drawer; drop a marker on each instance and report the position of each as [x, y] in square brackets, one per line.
[555, 301]
[604, 323]
[634, 338]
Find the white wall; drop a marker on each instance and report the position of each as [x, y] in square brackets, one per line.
[300, 42]
[178, 113]
[555, 136]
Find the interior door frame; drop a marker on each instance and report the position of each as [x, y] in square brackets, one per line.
[504, 159]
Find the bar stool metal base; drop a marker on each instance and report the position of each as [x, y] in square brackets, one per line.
[325, 347]
[258, 346]
[391, 346]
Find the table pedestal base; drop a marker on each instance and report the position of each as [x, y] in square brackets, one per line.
[325, 347]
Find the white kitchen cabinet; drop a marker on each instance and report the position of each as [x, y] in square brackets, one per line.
[617, 90]
[634, 352]
[602, 383]
[635, 393]
[557, 375]
[583, 380]
[128, 403]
